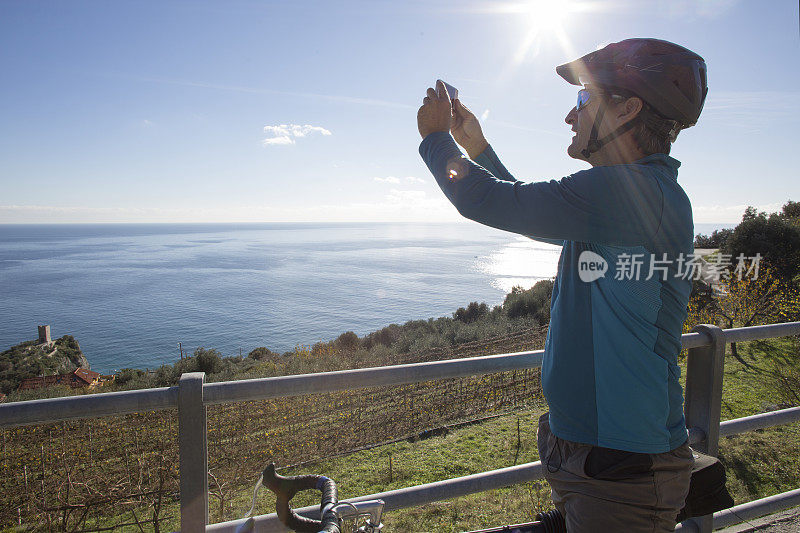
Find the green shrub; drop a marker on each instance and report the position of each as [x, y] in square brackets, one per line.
[263, 354]
[127, 375]
[347, 341]
[534, 302]
[386, 336]
[472, 312]
[208, 361]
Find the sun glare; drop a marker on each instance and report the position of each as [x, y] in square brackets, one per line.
[544, 20]
[546, 14]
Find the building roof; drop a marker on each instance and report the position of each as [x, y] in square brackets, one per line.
[79, 377]
[89, 376]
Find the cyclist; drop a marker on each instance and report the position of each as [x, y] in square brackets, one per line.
[614, 443]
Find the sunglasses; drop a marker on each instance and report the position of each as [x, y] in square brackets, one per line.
[585, 97]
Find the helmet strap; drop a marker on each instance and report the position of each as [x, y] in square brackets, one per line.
[593, 144]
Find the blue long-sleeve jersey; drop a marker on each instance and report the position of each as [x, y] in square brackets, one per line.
[610, 372]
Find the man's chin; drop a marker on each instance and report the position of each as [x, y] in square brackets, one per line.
[574, 152]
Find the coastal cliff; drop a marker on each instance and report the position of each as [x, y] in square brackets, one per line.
[32, 358]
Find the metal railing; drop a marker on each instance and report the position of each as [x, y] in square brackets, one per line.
[706, 345]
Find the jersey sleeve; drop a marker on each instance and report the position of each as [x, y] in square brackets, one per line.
[556, 242]
[488, 159]
[616, 205]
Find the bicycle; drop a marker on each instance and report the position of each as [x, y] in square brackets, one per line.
[707, 494]
[334, 514]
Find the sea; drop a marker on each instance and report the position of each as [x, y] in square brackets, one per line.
[130, 293]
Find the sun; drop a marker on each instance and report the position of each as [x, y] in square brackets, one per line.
[541, 25]
[544, 21]
[545, 15]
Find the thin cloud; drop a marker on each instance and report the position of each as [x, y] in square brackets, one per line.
[418, 202]
[751, 110]
[257, 90]
[396, 181]
[505, 124]
[283, 134]
[764, 100]
[283, 139]
[414, 197]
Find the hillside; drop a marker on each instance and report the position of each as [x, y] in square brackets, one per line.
[124, 469]
[30, 359]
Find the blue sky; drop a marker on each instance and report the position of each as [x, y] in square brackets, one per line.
[198, 111]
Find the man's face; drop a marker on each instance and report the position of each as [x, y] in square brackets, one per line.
[581, 122]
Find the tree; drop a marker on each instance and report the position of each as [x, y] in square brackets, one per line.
[762, 300]
[717, 239]
[471, 313]
[385, 336]
[751, 213]
[126, 375]
[347, 341]
[791, 210]
[775, 237]
[702, 306]
[208, 361]
[749, 301]
[262, 353]
[533, 302]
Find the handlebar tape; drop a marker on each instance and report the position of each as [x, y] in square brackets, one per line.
[286, 487]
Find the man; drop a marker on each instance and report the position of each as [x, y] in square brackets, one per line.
[614, 444]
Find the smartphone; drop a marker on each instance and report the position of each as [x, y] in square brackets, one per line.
[452, 91]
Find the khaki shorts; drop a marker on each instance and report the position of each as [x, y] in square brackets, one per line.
[600, 490]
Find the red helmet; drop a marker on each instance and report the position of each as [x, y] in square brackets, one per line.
[668, 77]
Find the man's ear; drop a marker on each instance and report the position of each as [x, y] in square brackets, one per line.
[628, 110]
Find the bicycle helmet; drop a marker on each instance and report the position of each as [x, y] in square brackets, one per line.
[669, 78]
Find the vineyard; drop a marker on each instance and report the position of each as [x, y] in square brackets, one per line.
[122, 472]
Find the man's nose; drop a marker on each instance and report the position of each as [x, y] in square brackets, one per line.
[571, 116]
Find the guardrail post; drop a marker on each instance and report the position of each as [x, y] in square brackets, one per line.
[704, 370]
[193, 452]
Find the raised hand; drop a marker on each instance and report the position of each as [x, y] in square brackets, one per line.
[436, 111]
[467, 130]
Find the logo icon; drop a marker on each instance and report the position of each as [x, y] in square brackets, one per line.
[591, 266]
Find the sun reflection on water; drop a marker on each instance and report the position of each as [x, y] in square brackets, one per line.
[520, 263]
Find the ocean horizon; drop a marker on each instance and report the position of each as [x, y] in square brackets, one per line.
[129, 293]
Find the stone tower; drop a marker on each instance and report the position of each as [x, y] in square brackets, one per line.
[44, 335]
